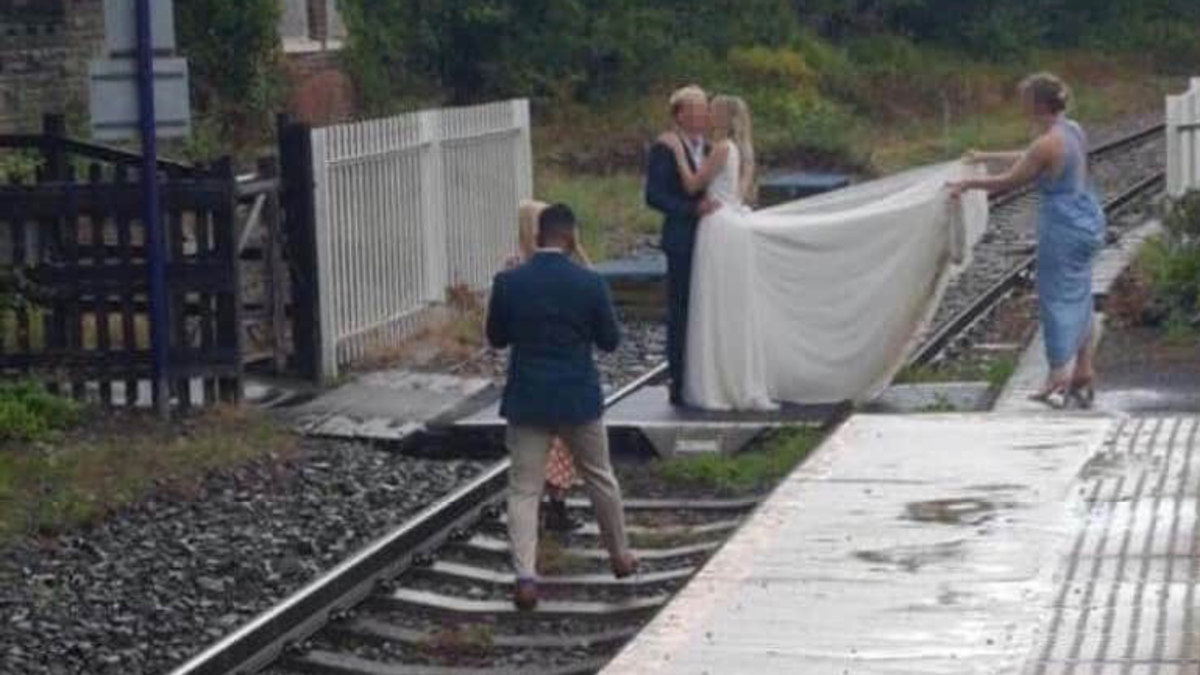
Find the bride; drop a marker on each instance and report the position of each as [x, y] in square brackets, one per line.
[725, 367]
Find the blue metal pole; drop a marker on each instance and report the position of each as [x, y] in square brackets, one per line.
[151, 213]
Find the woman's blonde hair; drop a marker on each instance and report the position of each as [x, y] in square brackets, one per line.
[527, 223]
[527, 233]
[1047, 90]
[741, 132]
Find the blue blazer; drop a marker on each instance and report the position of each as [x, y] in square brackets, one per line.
[552, 312]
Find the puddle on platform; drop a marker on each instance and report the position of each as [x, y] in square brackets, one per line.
[965, 511]
[912, 559]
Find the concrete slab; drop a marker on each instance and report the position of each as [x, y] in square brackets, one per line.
[386, 405]
[906, 545]
[933, 397]
[671, 430]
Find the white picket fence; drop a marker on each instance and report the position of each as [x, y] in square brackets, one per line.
[408, 207]
[1183, 141]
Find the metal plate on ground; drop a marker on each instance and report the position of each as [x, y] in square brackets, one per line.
[671, 430]
[387, 405]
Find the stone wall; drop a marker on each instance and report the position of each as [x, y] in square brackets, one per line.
[44, 60]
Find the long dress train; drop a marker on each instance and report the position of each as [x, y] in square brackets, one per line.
[821, 300]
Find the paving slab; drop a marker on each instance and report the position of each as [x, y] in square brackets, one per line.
[387, 405]
[933, 545]
[933, 397]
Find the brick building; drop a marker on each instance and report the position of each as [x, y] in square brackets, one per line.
[320, 91]
[45, 47]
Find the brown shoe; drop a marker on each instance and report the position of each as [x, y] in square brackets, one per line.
[625, 567]
[526, 595]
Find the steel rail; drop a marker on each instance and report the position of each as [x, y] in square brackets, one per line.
[961, 322]
[263, 639]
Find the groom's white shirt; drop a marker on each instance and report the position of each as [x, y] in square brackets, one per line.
[695, 148]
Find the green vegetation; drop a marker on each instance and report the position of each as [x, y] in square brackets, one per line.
[556, 559]
[668, 539]
[1000, 371]
[1171, 265]
[233, 51]
[941, 404]
[750, 471]
[97, 466]
[476, 638]
[30, 414]
[996, 371]
[609, 208]
[18, 166]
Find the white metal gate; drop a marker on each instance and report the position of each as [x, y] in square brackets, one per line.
[407, 207]
[1183, 141]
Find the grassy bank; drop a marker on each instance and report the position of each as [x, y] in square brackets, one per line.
[869, 107]
[62, 467]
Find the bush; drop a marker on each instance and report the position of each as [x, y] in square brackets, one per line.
[28, 413]
[1183, 222]
[18, 166]
[1172, 264]
[787, 121]
[233, 51]
[764, 67]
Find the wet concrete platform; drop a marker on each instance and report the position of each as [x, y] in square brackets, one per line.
[671, 430]
[967, 544]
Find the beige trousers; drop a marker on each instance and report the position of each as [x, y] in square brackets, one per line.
[527, 446]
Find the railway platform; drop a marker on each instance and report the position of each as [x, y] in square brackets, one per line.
[993, 544]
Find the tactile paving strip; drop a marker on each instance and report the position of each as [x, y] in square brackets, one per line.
[1127, 600]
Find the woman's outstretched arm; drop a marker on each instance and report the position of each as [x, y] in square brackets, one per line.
[977, 156]
[1030, 165]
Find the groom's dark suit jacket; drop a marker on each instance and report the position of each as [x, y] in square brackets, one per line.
[552, 312]
[665, 193]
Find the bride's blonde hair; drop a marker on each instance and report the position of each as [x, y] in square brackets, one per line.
[741, 132]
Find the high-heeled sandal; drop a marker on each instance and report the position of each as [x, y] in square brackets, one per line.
[1055, 398]
[1083, 392]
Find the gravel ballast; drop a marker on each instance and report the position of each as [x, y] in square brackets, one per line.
[152, 586]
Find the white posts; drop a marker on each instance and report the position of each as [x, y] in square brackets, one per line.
[406, 207]
[1183, 141]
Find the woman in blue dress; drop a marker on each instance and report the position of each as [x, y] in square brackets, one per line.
[1071, 226]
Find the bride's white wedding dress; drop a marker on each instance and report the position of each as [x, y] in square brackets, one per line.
[821, 300]
[724, 367]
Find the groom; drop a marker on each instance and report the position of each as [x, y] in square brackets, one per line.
[681, 216]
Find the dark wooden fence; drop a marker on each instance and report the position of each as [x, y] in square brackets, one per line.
[74, 283]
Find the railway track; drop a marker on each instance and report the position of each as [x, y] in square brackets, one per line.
[992, 284]
[432, 596]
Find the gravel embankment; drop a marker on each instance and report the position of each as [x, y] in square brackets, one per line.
[154, 585]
